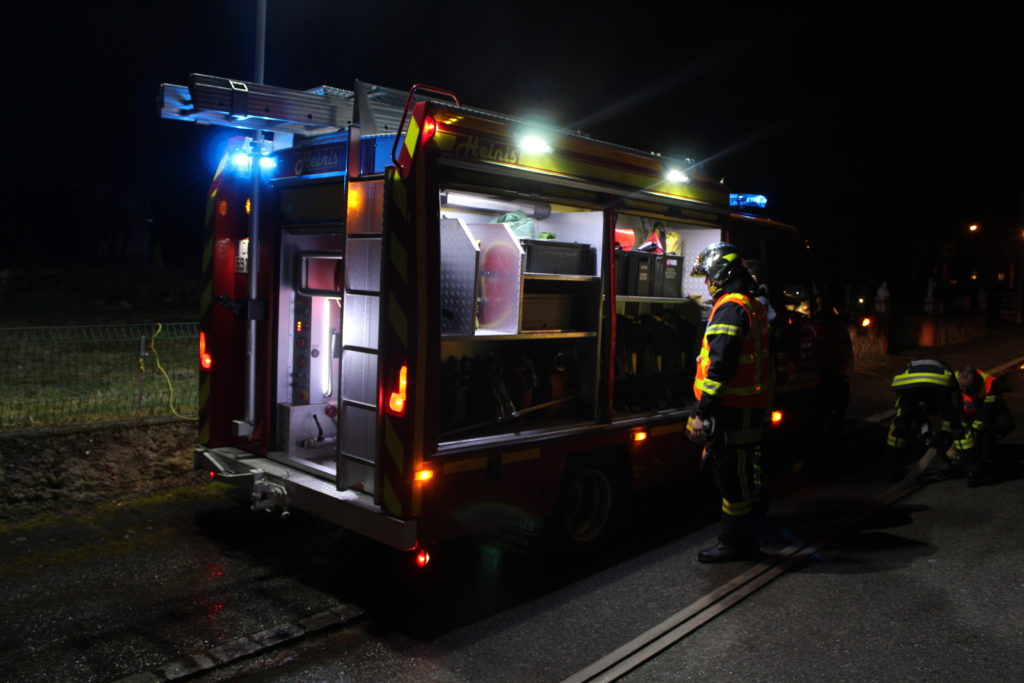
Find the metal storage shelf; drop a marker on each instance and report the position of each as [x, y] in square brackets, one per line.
[482, 335]
[652, 299]
[554, 277]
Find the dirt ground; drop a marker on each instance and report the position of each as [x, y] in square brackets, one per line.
[54, 471]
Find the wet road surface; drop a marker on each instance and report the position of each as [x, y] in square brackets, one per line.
[926, 589]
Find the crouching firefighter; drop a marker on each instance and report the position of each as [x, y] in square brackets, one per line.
[985, 408]
[733, 387]
[927, 393]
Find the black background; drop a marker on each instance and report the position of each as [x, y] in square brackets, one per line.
[881, 133]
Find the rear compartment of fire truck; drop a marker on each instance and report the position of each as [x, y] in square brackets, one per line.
[524, 336]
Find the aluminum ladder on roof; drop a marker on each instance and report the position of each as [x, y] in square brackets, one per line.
[219, 101]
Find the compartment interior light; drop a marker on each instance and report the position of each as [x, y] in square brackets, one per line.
[480, 202]
[326, 348]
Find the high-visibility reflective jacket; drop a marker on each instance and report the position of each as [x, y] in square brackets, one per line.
[734, 366]
[980, 407]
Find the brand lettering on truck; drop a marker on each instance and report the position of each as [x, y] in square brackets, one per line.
[316, 161]
[475, 148]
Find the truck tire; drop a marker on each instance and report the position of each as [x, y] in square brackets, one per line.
[592, 506]
[822, 441]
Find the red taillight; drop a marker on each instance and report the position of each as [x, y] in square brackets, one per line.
[213, 475]
[396, 402]
[422, 558]
[429, 128]
[776, 418]
[205, 359]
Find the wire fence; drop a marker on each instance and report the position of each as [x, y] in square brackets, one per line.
[72, 375]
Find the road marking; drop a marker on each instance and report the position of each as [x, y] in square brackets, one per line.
[649, 644]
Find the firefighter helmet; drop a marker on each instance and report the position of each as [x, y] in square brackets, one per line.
[719, 262]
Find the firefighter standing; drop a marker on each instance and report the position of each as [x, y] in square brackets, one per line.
[989, 416]
[927, 388]
[733, 387]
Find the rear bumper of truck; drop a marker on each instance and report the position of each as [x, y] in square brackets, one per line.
[273, 484]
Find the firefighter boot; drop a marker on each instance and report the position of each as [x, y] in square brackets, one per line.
[737, 542]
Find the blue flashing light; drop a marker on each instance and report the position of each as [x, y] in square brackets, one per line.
[241, 161]
[758, 200]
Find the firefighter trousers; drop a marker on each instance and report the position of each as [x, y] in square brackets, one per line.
[734, 453]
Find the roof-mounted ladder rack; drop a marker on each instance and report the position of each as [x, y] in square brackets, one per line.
[219, 101]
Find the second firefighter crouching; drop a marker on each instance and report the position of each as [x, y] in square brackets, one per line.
[989, 416]
[733, 388]
[928, 401]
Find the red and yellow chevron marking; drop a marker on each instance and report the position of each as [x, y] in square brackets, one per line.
[206, 298]
[403, 341]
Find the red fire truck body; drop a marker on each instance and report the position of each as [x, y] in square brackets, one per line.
[439, 322]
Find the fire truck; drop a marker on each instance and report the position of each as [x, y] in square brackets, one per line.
[424, 320]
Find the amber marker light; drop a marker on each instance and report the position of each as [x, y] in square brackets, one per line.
[865, 322]
[423, 476]
[205, 359]
[396, 402]
[639, 436]
[776, 418]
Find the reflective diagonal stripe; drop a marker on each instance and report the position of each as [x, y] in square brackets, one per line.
[412, 136]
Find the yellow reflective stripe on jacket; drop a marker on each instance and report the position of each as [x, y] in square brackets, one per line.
[911, 378]
[710, 386]
[723, 328]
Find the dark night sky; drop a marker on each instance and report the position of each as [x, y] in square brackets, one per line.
[876, 131]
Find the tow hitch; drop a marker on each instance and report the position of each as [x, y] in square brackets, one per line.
[266, 495]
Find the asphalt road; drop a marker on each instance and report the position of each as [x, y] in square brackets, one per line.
[926, 589]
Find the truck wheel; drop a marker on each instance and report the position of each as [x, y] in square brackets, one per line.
[591, 506]
[822, 442]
